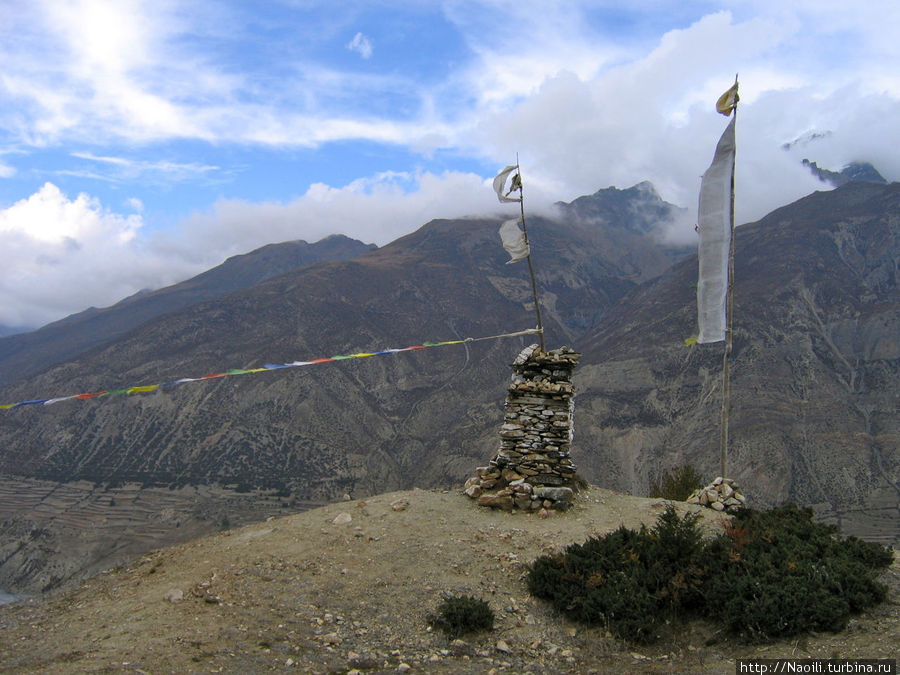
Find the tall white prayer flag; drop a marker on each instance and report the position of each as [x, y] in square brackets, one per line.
[514, 241]
[500, 184]
[715, 227]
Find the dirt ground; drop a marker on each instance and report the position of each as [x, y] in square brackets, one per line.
[349, 587]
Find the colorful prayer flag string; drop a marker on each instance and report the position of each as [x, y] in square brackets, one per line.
[143, 389]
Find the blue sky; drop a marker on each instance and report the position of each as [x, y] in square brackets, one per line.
[142, 142]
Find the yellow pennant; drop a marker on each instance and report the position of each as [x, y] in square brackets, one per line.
[728, 101]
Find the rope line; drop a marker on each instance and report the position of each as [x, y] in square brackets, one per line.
[143, 389]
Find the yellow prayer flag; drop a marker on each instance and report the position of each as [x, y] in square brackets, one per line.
[728, 101]
[142, 390]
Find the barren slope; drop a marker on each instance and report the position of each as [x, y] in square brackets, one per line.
[318, 596]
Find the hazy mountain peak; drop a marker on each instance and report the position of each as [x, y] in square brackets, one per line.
[638, 208]
[854, 172]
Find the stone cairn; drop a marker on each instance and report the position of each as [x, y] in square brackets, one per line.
[532, 470]
[723, 494]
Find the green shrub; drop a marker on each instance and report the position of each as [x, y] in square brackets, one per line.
[770, 574]
[678, 484]
[626, 580]
[777, 573]
[464, 614]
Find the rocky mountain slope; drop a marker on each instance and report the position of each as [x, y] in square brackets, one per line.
[314, 433]
[350, 586]
[343, 425]
[814, 382]
[26, 353]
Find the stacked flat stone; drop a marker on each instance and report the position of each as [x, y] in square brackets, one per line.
[723, 494]
[532, 469]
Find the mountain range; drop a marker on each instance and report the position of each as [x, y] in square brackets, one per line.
[26, 353]
[815, 372]
[814, 379]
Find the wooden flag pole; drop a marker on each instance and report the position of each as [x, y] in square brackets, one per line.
[729, 320]
[537, 304]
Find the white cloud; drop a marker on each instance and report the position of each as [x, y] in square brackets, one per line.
[61, 254]
[66, 254]
[374, 210]
[518, 47]
[652, 118]
[130, 169]
[101, 71]
[134, 204]
[589, 93]
[49, 216]
[81, 65]
[361, 45]
[96, 69]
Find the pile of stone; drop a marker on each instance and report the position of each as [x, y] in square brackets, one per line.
[723, 494]
[532, 469]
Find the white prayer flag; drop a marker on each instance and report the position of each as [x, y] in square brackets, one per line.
[514, 241]
[715, 228]
[500, 184]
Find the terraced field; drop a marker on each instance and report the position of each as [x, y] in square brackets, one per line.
[52, 534]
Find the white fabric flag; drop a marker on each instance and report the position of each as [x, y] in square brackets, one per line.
[514, 240]
[715, 229]
[500, 184]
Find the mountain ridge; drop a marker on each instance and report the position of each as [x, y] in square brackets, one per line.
[823, 295]
[23, 354]
[814, 373]
[361, 426]
[852, 172]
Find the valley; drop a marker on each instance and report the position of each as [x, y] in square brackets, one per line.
[815, 379]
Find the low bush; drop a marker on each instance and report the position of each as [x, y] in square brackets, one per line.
[778, 573]
[627, 580]
[678, 484]
[770, 574]
[464, 614]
